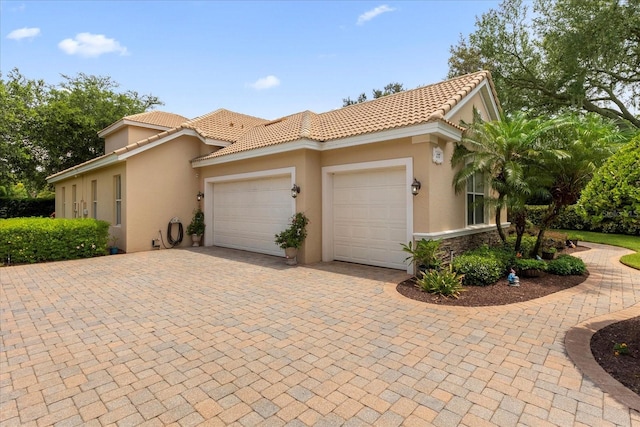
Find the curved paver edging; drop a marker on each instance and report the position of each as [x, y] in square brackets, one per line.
[578, 345]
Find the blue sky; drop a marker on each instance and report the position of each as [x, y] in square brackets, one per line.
[266, 59]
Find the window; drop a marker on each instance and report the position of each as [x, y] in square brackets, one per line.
[63, 207]
[94, 199]
[74, 201]
[475, 200]
[118, 194]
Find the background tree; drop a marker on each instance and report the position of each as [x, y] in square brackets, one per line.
[612, 197]
[561, 55]
[377, 93]
[45, 128]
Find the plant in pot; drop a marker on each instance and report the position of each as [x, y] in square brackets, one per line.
[425, 255]
[529, 267]
[549, 253]
[113, 244]
[291, 238]
[196, 227]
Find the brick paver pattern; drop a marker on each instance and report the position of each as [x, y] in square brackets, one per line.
[211, 336]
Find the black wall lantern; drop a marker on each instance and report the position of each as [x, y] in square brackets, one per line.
[200, 195]
[415, 187]
[295, 190]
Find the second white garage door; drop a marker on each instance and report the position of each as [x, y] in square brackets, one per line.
[247, 214]
[370, 217]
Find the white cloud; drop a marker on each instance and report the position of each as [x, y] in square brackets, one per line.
[91, 45]
[265, 83]
[24, 33]
[369, 15]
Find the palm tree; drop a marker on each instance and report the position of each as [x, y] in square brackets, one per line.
[588, 141]
[507, 154]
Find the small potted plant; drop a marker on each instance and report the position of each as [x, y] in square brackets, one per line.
[549, 253]
[291, 238]
[425, 255]
[196, 227]
[113, 244]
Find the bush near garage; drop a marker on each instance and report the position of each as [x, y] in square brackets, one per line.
[478, 270]
[31, 240]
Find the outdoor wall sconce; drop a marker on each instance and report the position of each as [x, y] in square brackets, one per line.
[415, 187]
[200, 195]
[295, 190]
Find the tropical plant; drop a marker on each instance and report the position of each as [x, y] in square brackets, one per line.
[294, 235]
[197, 225]
[507, 153]
[441, 282]
[425, 254]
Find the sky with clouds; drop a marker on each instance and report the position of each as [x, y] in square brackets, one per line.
[267, 59]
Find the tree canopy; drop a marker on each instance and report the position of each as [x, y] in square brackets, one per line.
[377, 93]
[559, 55]
[47, 128]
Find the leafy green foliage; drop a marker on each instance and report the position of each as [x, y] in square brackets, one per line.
[196, 226]
[558, 55]
[45, 129]
[425, 253]
[478, 270]
[526, 245]
[524, 264]
[377, 93]
[295, 234]
[444, 282]
[566, 265]
[611, 201]
[31, 240]
[16, 208]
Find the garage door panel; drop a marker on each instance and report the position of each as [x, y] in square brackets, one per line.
[369, 216]
[247, 214]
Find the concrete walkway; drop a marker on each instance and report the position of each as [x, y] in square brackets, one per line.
[221, 337]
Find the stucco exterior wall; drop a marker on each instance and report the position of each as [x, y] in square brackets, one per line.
[127, 135]
[161, 184]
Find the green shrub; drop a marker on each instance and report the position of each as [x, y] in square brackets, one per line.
[22, 208]
[444, 282]
[425, 253]
[526, 245]
[566, 265]
[30, 240]
[478, 270]
[523, 264]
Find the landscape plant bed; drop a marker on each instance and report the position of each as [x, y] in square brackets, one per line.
[625, 367]
[499, 293]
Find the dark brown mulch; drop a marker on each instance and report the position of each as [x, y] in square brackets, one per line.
[624, 367]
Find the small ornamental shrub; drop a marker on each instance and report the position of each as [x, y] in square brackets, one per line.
[620, 348]
[478, 270]
[31, 240]
[295, 234]
[566, 265]
[526, 245]
[445, 282]
[425, 253]
[524, 264]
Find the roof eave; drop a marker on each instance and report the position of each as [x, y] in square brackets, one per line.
[125, 122]
[100, 162]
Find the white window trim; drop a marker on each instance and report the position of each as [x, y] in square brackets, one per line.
[484, 208]
[327, 198]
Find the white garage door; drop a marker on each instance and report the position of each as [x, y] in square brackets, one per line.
[370, 217]
[248, 214]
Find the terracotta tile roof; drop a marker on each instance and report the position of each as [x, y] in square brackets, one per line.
[158, 118]
[223, 125]
[422, 105]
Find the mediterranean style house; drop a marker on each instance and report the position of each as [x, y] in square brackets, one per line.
[369, 176]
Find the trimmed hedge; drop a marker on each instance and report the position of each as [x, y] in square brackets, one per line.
[23, 208]
[31, 240]
[478, 270]
[566, 265]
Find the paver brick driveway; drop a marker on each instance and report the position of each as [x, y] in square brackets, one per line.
[221, 337]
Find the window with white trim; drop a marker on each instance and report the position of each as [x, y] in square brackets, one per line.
[74, 201]
[475, 200]
[118, 199]
[94, 199]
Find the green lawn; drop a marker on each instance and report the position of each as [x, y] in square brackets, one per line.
[622, 240]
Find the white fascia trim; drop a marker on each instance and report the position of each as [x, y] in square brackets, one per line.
[487, 95]
[440, 129]
[450, 234]
[327, 198]
[122, 123]
[188, 132]
[70, 173]
[210, 182]
[217, 142]
[260, 152]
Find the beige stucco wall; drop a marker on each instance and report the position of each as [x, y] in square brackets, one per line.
[161, 184]
[127, 135]
[105, 179]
